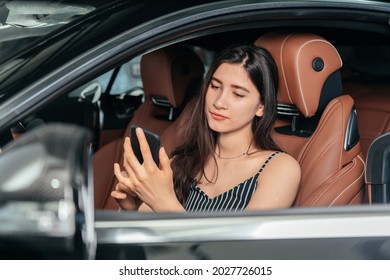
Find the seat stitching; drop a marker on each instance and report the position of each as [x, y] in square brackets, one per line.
[282, 66]
[326, 189]
[334, 105]
[322, 124]
[361, 175]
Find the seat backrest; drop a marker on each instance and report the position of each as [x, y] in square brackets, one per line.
[316, 123]
[372, 103]
[169, 76]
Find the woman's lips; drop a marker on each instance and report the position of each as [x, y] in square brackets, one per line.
[218, 116]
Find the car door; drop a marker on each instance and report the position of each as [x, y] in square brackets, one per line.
[80, 53]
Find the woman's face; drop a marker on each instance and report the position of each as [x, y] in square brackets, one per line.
[232, 100]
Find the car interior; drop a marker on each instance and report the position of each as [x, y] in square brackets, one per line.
[330, 111]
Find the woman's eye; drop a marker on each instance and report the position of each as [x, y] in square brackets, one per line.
[214, 86]
[238, 95]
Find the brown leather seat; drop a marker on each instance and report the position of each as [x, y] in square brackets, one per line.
[168, 75]
[373, 108]
[317, 124]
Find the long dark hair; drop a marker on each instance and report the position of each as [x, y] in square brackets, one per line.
[189, 159]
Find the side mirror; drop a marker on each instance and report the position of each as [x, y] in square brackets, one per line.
[46, 195]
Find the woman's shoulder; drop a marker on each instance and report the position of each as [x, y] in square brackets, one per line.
[278, 183]
[283, 161]
[286, 157]
[282, 171]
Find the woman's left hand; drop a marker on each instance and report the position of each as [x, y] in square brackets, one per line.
[151, 183]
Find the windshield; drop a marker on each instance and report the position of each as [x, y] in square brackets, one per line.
[22, 23]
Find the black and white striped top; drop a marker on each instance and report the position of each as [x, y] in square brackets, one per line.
[235, 199]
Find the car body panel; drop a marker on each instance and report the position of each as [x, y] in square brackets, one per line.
[293, 234]
[108, 37]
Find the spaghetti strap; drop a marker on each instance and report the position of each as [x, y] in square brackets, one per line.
[268, 160]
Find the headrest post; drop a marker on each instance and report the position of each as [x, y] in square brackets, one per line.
[294, 123]
[170, 117]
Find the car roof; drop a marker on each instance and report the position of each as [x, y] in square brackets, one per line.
[121, 14]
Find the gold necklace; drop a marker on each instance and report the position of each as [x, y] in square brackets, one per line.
[243, 154]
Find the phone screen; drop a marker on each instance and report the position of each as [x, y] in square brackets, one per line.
[153, 141]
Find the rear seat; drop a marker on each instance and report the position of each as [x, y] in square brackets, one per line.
[372, 103]
[169, 75]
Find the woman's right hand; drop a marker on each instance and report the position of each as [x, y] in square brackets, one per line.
[121, 194]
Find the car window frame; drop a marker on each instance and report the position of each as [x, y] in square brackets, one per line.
[134, 42]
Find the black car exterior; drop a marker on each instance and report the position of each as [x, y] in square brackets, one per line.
[107, 37]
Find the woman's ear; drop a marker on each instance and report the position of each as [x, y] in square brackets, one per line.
[260, 111]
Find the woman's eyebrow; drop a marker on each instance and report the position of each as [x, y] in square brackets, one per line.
[216, 79]
[232, 85]
[240, 87]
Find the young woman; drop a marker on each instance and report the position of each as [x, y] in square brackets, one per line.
[228, 161]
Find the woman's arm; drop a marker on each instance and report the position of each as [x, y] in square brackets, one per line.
[278, 184]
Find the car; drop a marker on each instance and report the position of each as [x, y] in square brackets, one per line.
[67, 100]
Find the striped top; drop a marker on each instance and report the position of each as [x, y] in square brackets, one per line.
[235, 199]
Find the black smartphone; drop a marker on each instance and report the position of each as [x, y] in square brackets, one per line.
[153, 141]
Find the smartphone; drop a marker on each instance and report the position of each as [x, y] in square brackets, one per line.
[153, 141]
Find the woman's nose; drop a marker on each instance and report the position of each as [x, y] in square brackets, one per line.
[221, 101]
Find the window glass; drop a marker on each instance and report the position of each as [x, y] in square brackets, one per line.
[24, 22]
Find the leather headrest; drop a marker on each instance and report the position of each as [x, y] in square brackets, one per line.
[304, 61]
[168, 72]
